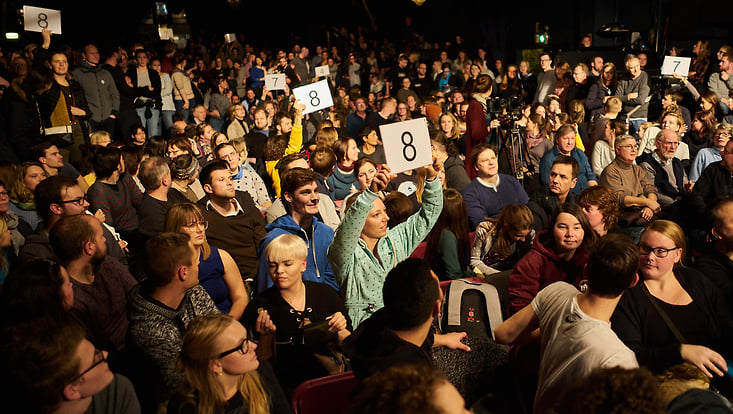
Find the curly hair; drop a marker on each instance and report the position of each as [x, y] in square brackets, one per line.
[604, 199]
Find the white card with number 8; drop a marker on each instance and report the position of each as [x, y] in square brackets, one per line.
[314, 96]
[407, 145]
[35, 19]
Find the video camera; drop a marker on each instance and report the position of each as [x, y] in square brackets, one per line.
[507, 111]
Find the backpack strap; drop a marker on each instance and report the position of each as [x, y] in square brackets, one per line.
[491, 296]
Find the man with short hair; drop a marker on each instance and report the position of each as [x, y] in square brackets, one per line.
[401, 332]
[581, 85]
[633, 93]
[99, 89]
[575, 327]
[235, 223]
[721, 83]
[422, 84]
[717, 262]
[387, 109]
[160, 308]
[565, 145]
[596, 68]
[715, 182]
[563, 178]
[155, 176]
[356, 120]
[301, 66]
[100, 282]
[301, 198]
[545, 80]
[256, 139]
[53, 163]
[199, 114]
[664, 169]
[406, 90]
[245, 179]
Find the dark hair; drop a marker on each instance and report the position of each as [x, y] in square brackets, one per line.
[341, 147]
[49, 191]
[32, 292]
[399, 389]
[483, 84]
[282, 165]
[360, 163]
[132, 157]
[322, 160]
[716, 211]
[106, 161]
[478, 149]
[155, 146]
[568, 160]
[69, 235]
[399, 207]
[453, 218]
[216, 165]
[409, 294]
[612, 265]
[275, 147]
[39, 150]
[618, 126]
[589, 237]
[165, 252]
[296, 178]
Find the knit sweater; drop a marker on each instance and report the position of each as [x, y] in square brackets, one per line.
[483, 201]
[117, 202]
[626, 180]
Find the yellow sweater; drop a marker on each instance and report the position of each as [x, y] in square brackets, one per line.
[294, 145]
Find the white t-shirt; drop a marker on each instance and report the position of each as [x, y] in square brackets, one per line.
[573, 344]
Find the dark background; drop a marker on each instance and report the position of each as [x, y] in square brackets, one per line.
[504, 27]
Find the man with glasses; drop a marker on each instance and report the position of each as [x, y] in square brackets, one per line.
[707, 156]
[159, 310]
[100, 283]
[637, 195]
[634, 94]
[356, 120]
[581, 85]
[545, 80]
[57, 197]
[664, 169]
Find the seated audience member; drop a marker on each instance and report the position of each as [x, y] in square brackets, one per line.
[398, 207]
[57, 370]
[53, 163]
[218, 273]
[565, 145]
[664, 169]
[709, 155]
[57, 197]
[184, 174]
[717, 263]
[576, 335]
[326, 208]
[670, 120]
[715, 182]
[238, 126]
[222, 373]
[401, 332]
[697, 325]
[455, 171]
[603, 152]
[408, 389]
[287, 307]
[600, 207]
[245, 179]
[343, 179]
[364, 169]
[499, 243]
[558, 254]
[563, 178]
[159, 310]
[22, 203]
[116, 195]
[301, 199]
[370, 146]
[612, 390]
[285, 143]
[363, 235]
[448, 246]
[131, 158]
[155, 175]
[701, 134]
[322, 161]
[12, 221]
[636, 193]
[490, 191]
[235, 223]
[100, 283]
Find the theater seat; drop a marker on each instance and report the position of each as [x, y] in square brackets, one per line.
[329, 394]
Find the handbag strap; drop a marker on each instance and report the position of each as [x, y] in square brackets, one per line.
[663, 314]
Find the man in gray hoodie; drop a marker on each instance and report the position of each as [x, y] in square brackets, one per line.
[99, 89]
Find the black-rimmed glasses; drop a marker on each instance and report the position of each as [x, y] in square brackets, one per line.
[98, 359]
[243, 348]
[78, 201]
[660, 252]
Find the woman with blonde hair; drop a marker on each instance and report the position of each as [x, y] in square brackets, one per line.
[218, 273]
[22, 203]
[222, 373]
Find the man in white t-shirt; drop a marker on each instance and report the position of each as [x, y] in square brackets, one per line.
[575, 327]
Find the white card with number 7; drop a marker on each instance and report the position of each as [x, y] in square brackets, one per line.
[275, 81]
[407, 145]
[315, 96]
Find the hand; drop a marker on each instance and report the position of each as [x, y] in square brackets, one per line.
[129, 81]
[298, 108]
[336, 322]
[113, 116]
[704, 358]
[632, 95]
[724, 75]
[215, 113]
[689, 186]
[186, 106]
[494, 123]
[123, 245]
[46, 35]
[382, 178]
[99, 215]
[452, 340]
[647, 213]
[264, 325]
[77, 111]
[654, 206]
[434, 169]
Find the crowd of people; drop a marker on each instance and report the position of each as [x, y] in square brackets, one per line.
[176, 237]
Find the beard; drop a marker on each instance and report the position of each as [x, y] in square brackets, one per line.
[96, 260]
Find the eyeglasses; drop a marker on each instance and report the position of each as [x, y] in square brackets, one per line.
[3, 194]
[78, 201]
[243, 348]
[98, 359]
[672, 143]
[722, 134]
[202, 223]
[630, 146]
[660, 252]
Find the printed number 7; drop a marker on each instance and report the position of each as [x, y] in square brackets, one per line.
[676, 64]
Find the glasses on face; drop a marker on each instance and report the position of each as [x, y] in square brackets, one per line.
[98, 359]
[194, 224]
[629, 146]
[78, 201]
[722, 135]
[243, 348]
[4, 194]
[660, 252]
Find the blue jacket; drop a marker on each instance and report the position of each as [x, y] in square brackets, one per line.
[585, 173]
[341, 183]
[318, 269]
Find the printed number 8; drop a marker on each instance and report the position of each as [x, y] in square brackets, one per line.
[42, 20]
[315, 101]
[413, 150]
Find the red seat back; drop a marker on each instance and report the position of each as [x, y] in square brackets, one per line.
[331, 394]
